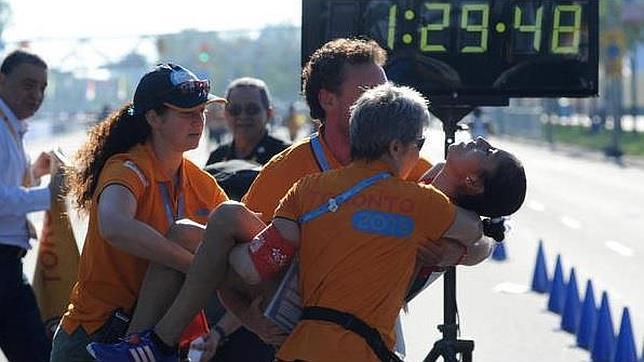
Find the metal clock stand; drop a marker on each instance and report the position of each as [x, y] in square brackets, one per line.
[450, 112]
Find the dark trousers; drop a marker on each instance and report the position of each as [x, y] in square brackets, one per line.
[22, 332]
[244, 346]
[72, 348]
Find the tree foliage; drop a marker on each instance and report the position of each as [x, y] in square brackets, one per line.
[271, 54]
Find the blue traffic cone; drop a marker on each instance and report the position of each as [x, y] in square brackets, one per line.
[540, 276]
[604, 342]
[625, 350]
[588, 320]
[570, 316]
[499, 252]
[556, 301]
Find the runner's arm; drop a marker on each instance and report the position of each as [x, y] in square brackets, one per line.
[466, 228]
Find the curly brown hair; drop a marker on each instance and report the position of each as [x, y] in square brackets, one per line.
[117, 133]
[325, 67]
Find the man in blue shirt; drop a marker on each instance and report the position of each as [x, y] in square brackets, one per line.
[23, 79]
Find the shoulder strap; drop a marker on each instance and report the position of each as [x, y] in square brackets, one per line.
[334, 203]
[318, 152]
[354, 324]
[135, 168]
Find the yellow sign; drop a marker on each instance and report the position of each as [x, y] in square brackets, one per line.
[57, 262]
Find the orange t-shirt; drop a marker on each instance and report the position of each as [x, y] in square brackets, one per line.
[287, 167]
[359, 259]
[109, 278]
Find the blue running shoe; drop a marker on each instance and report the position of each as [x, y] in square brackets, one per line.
[137, 347]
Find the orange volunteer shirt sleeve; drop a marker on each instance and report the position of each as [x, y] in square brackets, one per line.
[422, 166]
[263, 194]
[436, 212]
[125, 172]
[290, 205]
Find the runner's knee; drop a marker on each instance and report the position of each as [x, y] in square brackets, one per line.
[227, 214]
[186, 233]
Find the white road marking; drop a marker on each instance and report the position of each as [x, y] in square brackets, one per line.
[511, 288]
[536, 206]
[619, 248]
[570, 222]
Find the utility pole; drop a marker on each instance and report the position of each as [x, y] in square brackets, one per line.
[634, 85]
[614, 45]
[633, 21]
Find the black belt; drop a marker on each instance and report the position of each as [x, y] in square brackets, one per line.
[12, 251]
[354, 324]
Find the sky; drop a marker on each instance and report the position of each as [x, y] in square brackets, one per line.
[55, 27]
[77, 18]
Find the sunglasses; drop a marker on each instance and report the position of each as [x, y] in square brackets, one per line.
[420, 142]
[194, 87]
[236, 109]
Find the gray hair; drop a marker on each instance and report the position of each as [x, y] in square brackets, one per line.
[383, 114]
[250, 82]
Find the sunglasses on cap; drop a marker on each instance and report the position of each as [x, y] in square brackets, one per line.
[194, 87]
[236, 109]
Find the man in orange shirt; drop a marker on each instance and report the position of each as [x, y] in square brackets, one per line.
[358, 249]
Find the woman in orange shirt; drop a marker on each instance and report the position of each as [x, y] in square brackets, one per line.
[135, 182]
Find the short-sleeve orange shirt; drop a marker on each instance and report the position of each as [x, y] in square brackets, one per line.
[287, 167]
[110, 278]
[359, 259]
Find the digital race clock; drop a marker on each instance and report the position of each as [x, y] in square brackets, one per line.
[471, 48]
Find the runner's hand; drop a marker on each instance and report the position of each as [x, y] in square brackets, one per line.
[453, 252]
[255, 321]
[208, 346]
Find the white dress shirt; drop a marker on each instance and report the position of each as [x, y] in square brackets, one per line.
[16, 201]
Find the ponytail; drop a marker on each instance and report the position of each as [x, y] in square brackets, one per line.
[117, 133]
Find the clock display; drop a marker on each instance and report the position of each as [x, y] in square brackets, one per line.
[468, 48]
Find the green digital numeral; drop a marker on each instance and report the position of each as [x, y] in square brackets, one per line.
[474, 28]
[425, 46]
[391, 30]
[536, 28]
[558, 29]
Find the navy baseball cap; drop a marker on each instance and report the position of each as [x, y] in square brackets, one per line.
[173, 86]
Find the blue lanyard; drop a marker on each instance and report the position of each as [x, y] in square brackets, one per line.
[318, 152]
[334, 203]
[167, 203]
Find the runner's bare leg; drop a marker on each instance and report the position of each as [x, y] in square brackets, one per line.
[162, 283]
[231, 223]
